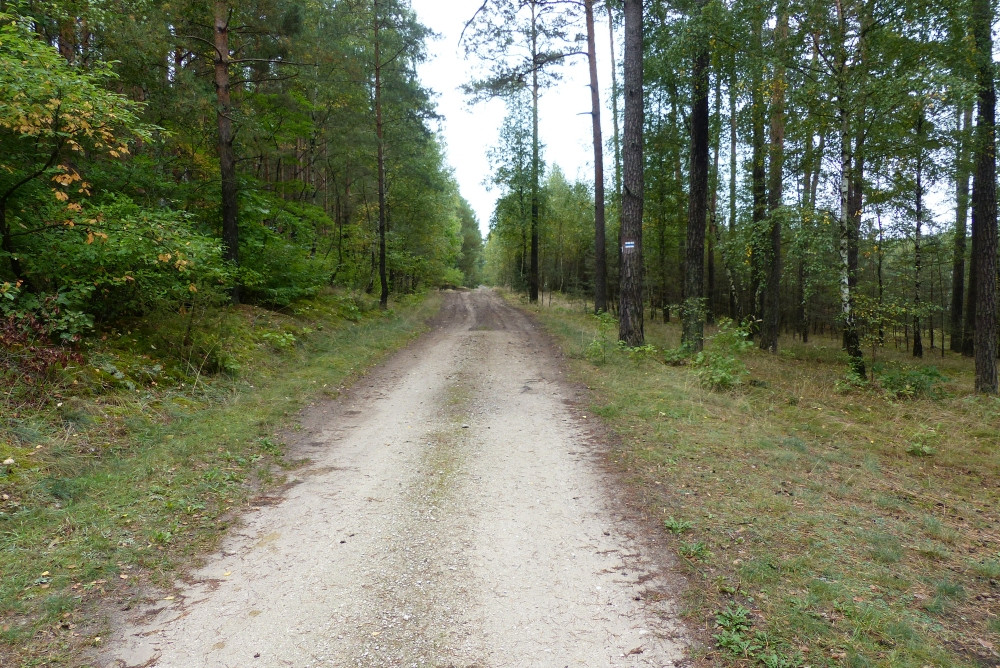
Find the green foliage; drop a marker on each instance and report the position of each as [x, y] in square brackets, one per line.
[905, 382]
[719, 372]
[731, 338]
[598, 348]
[695, 550]
[50, 106]
[676, 526]
[850, 382]
[922, 442]
[57, 316]
[676, 356]
[124, 260]
[305, 208]
[734, 634]
[637, 353]
[719, 367]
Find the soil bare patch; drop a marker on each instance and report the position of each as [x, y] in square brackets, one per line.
[453, 513]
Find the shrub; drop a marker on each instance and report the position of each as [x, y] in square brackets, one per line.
[637, 353]
[27, 356]
[118, 259]
[719, 372]
[720, 368]
[900, 382]
[597, 350]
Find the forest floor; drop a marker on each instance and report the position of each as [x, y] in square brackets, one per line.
[455, 508]
[821, 519]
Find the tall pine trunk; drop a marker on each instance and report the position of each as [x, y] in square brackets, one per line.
[615, 126]
[918, 345]
[535, 158]
[227, 156]
[734, 298]
[693, 328]
[984, 203]
[713, 209]
[630, 310]
[851, 184]
[758, 187]
[771, 302]
[383, 300]
[600, 252]
[962, 175]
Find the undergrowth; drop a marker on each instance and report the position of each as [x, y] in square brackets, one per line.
[135, 457]
[822, 522]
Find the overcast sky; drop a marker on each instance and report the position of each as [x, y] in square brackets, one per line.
[469, 131]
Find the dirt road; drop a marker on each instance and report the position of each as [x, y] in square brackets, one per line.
[453, 514]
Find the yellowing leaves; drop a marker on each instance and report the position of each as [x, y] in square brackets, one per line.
[67, 177]
[92, 235]
[180, 263]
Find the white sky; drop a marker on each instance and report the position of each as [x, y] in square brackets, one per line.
[470, 131]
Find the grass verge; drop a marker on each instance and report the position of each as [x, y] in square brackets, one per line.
[823, 520]
[137, 460]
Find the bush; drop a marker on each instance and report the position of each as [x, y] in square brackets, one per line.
[716, 371]
[637, 353]
[27, 356]
[721, 368]
[597, 350]
[116, 259]
[900, 382]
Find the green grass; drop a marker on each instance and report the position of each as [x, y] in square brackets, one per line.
[116, 484]
[855, 525]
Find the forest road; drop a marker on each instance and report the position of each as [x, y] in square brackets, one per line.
[454, 513]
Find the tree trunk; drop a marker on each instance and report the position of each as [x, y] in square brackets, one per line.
[600, 252]
[879, 259]
[852, 334]
[383, 300]
[630, 311]
[771, 302]
[918, 344]
[758, 190]
[850, 211]
[962, 176]
[693, 327]
[984, 204]
[67, 38]
[850, 337]
[713, 212]
[535, 158]
[733, 293]
[615, 122]
[227, 156]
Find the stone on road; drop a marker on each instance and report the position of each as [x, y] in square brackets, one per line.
[453, 513]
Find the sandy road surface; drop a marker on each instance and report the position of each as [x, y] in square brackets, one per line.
[453, 514]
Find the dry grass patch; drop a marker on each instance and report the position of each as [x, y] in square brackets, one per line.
[827, 522]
